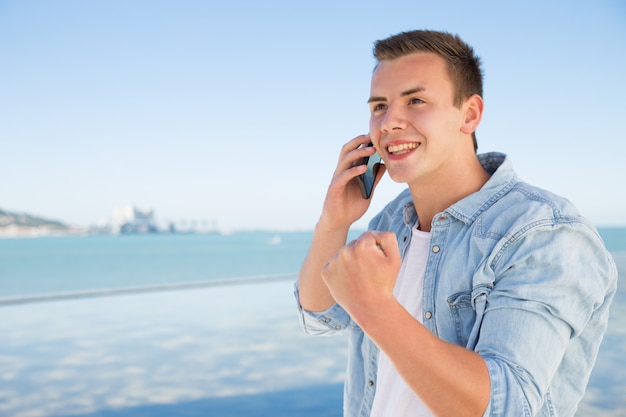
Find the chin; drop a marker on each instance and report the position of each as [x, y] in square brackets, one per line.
[398, 177]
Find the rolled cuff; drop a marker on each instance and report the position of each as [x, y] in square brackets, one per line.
[334, 320]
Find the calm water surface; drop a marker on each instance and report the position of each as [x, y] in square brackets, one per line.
[216, 351]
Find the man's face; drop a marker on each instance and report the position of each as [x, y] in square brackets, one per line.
[414, 124]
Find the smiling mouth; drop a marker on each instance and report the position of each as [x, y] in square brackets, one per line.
[402, 148]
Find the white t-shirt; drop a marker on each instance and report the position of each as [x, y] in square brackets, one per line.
[393, 396]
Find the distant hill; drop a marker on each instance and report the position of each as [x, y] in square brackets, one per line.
[18, 224]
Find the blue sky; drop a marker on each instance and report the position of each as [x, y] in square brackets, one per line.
[234, 112]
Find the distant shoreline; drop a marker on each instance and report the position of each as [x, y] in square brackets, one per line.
[18, 231]
[12, 231]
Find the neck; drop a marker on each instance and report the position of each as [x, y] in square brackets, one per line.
[437, 194]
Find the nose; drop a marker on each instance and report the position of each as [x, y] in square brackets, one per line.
[394, 118]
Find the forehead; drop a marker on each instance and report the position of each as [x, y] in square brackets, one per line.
[425, 70]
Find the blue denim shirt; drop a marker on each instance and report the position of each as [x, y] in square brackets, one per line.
[514, 274]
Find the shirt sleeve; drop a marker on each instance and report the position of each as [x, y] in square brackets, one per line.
[546, 314]
[334, 320]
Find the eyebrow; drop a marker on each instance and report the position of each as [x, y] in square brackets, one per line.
[403, 94]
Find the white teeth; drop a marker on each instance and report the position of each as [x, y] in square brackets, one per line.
[402, 148]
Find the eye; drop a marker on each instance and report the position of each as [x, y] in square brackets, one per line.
[379, 107]
[415, 100]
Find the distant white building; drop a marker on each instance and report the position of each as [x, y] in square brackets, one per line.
[130, 219]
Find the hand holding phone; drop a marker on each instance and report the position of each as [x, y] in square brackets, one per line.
[366, 180]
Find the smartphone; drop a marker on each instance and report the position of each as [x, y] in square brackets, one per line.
[366, 180]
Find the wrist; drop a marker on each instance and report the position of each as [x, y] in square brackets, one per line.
[376, 314]
[326, 225]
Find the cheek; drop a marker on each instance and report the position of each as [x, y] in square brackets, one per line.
[374, 126]
[433, 124]
[425, 120]
[449, 119]
[374, 132]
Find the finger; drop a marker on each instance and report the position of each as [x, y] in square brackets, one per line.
[367, 241]
[386, 241]
[371, 238]
[354, 151]
[378, 244]
[355, 143]
[341, 180]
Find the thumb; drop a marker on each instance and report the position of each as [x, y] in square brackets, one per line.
[387, 242]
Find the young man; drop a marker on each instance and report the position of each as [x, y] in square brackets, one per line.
[473, 293]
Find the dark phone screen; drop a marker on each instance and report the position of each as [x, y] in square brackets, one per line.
[366, 180]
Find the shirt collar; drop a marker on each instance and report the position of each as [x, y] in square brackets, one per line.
[502, 179]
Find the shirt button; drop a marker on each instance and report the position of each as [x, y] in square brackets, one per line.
[436, 249]
[337, 327]
[370, 383]
[404, 239]
[428, 315]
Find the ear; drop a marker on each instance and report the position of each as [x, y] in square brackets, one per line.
[473, 113]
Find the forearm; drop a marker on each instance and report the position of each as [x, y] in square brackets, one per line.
[449, 379]
[314, 294]
[342, 207]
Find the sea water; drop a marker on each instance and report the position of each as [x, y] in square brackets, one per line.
[221, 350]
[67, 264]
